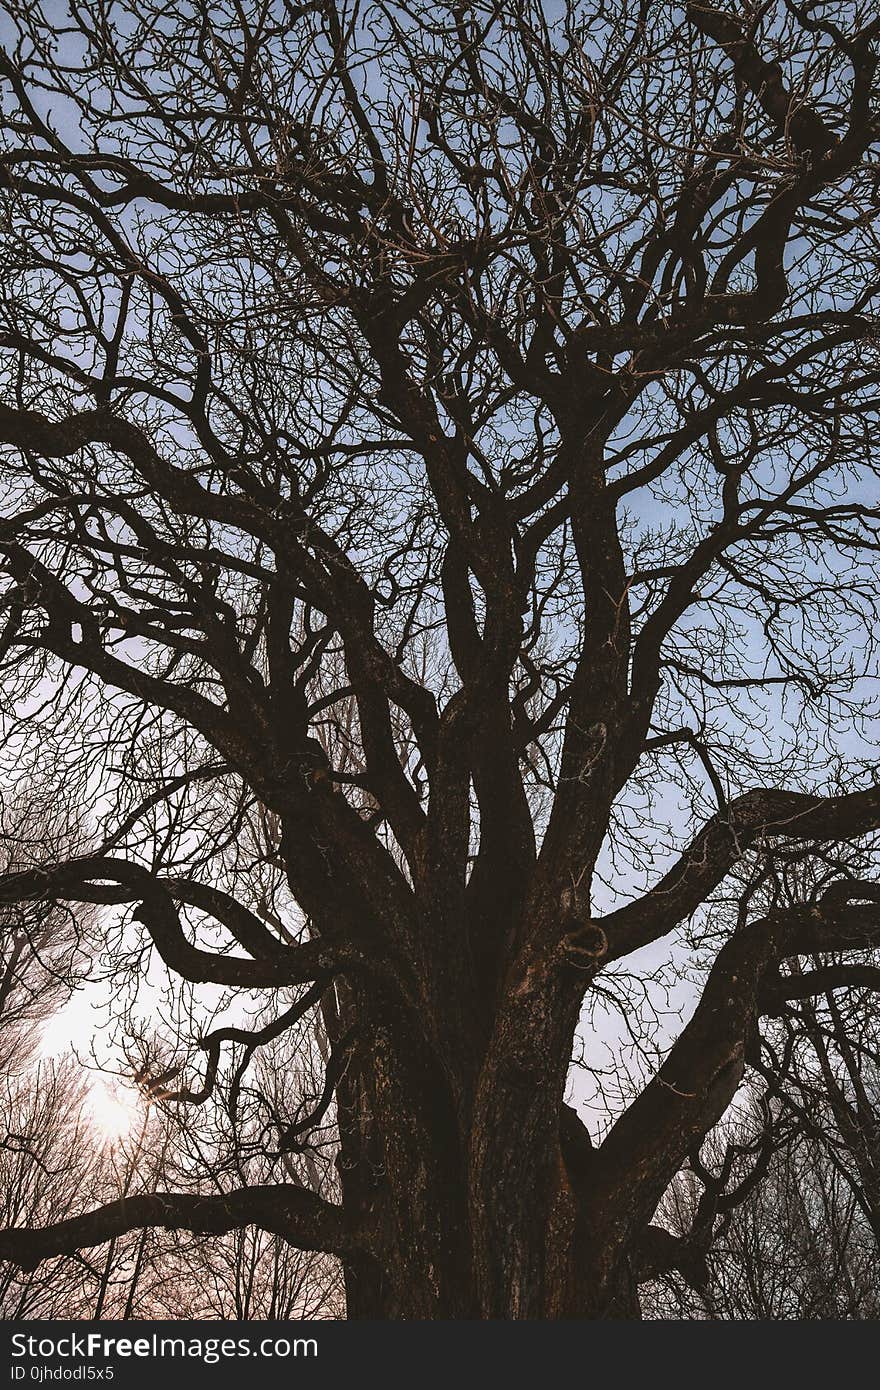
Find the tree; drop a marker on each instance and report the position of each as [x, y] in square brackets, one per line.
[45, 949]
[793, 1245]
[53, 1146]
[251, 1274]
[439, 546]
[48, 1158]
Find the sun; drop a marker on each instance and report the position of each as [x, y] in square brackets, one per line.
[114, 1109]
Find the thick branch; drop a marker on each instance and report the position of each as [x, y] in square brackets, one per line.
[796, 119]
[284, 1209]
[699, 1078]
[722, 841]
[104, 880]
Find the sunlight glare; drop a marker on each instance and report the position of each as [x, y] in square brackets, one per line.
[114, 1109]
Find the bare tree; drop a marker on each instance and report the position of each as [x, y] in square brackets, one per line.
[821, 1061]
[53, 1149]
[440, 541]
[252, 1274]
[793, 1245]
[45, 949]
[48, 1159]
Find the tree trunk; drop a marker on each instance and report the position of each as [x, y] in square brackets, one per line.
[578, 1279]
[451, 1241]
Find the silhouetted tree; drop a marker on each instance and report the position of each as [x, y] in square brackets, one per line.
[440, 539]
[789, 1240]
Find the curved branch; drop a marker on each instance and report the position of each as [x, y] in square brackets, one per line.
[791, 117]
[703, 1070]
[104, 880]
[722, 841]
[285, 1209]
[251, 1039]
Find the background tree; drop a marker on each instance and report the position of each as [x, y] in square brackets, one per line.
[439, 541]
[789, 1239]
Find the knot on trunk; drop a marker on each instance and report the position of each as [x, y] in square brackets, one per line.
[583, 943]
